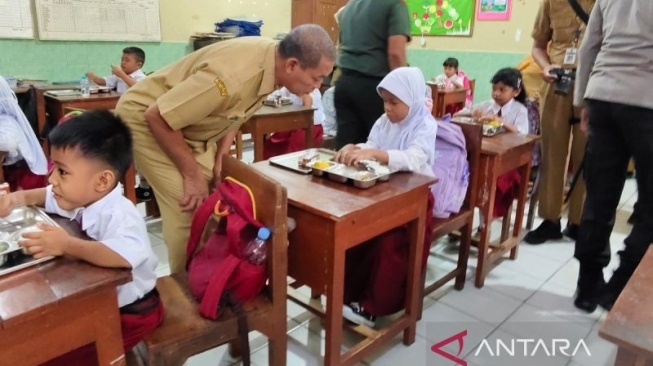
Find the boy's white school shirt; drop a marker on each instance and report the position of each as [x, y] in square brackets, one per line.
[113, 81]
[513, 113]
[115, 222]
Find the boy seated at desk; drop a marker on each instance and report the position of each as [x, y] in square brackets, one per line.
[128, 74]
[21, 158]
[121, 78]
[280, 143]
[90, 153]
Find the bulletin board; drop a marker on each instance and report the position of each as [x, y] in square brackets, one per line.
[99, 20]
[441, 17]
[16, 19]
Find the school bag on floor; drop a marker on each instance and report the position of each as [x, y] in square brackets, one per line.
[450, 168]
[218, 274]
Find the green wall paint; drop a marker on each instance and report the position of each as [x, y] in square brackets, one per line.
[68, 61]
[480, 66]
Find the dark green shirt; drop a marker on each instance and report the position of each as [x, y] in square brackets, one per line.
[365, 26]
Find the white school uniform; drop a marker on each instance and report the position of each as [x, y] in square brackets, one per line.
[113, 81]
[115, 222]
[442, 79]
[329, 125]
[410, 143]
[513, 113]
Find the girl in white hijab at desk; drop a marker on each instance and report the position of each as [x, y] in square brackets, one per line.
[403, 138]
[23, 163]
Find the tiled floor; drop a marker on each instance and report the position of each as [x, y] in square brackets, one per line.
[527, 298]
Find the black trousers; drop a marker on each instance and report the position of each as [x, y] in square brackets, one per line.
[358, 106]
[616, 132]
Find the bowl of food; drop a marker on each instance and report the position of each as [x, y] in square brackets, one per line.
[363, 179]
[338, 174]
[318, 167]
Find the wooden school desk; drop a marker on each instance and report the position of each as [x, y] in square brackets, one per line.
[333, 217]
[57, 306]
[628, 324]
[500, 154]
[269, 120]
[56, 106]
[444, 97]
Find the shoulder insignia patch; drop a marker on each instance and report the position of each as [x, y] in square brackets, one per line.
[221, 87]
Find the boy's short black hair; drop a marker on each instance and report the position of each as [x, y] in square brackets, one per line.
[136, 52]
[98, 134]
[451, 62]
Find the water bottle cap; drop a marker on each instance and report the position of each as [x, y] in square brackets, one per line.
[263, 233]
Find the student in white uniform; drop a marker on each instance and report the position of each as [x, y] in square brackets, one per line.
[128, 74]
[22, 162]
[508, 103]
[90, 153]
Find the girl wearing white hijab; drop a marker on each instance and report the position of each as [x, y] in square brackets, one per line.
[23, 163]
[404, 136]
[404, 139]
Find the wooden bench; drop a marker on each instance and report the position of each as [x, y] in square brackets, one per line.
[629, 324]
[185, 333]
[463, 220]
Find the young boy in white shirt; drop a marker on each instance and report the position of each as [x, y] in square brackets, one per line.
[128, 74]
[90, 153]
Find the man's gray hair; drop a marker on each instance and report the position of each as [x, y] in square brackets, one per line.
[308, 43]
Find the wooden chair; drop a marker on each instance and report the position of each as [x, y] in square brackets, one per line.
[463, 220]
[185, 333]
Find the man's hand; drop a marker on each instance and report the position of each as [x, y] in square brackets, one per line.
[546, 73]
[7, 204]
[195, 191]
[52, 241]
[584, 120]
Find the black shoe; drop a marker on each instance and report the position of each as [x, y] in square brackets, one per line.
[571, 231]
[548, 230]
[614, 288]
[357, 315]
[144, 194]
[590, 288]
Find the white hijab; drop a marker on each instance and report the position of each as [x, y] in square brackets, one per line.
[409, 86]
[33, 154]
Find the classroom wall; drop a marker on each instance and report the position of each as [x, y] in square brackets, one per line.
[68, 61]
[492, 45]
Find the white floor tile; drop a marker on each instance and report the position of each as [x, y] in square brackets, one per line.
[567, 275]
[561, 251]
[483, 304]
[559, 301]
[439, 314]
[603, 353]
[533, 263]
[396, 353]
[516, 285]
[531, 322]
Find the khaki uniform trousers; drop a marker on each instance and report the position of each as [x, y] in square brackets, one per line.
[168, 185]
[560, 142]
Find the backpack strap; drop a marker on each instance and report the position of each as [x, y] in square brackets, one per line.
[211, 299]
[243, 328]
[200, 218]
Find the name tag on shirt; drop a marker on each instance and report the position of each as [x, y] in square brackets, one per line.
[570, 56]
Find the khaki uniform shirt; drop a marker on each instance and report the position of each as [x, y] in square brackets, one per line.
[557, 23]
[206, 94]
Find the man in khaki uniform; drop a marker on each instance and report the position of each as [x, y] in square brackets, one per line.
[557, 34]
[185, 116]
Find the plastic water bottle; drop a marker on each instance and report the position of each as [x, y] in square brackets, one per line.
[255, 251]
[85, 87]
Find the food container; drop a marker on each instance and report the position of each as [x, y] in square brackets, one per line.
[339, 173]
[363, 179]
[319, 167]
[21, 220]
[293, 161]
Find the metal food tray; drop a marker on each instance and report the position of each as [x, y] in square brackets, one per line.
[21, 220]
[488, 131]
[292, 161]
[359, 176]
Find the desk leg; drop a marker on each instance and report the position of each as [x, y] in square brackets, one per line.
[414, 284]
[259, 140]
[335, 293]
[525, 172]
[488, 190]
[108, 341]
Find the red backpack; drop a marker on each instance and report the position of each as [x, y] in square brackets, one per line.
[218, 274]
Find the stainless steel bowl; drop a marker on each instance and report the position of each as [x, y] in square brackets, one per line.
[363, 179]
[337, 177]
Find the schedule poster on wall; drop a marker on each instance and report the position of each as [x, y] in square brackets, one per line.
[16, 19]
[441, 17]
[99, 20]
